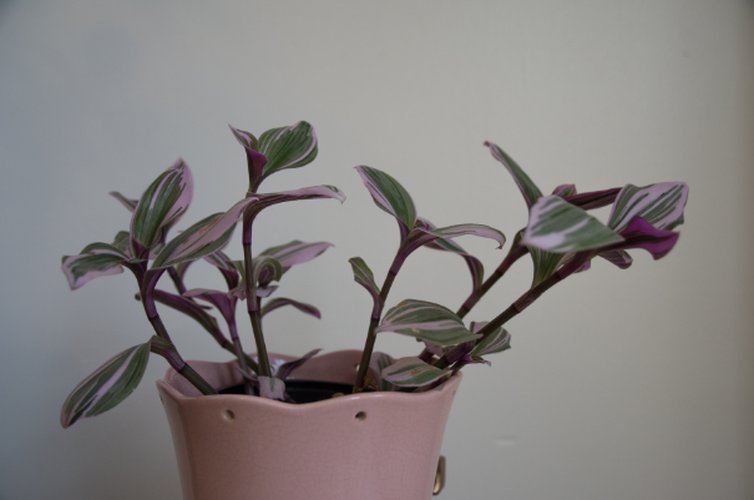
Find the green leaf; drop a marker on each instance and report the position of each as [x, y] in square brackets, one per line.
[426, 321]
[287, 147]
[528, 189]
[364, 276]
[110, 384]
[557, 226]
[389, 195]
[412, 372]
[164, 201]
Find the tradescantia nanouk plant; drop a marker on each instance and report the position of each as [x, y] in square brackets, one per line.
[561, 237]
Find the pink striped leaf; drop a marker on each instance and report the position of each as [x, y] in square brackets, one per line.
[497, 341]
[413, 372]
[559, 227]
[389, 195]
[264, 200]
[428, 322]
[203, 238]
[164, 201]
[279, 302]
[95, 260]
[223, 301]
[110, 384]
[296, 252]
[286, 369]
[377, 363]
[661, 205]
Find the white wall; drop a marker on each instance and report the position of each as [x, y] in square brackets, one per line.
[620, 385]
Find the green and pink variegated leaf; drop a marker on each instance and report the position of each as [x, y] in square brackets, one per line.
[95, 260]
[413, 372]
[279, 302]
[203, 238]
[619, 258]
[497, 341]
[389, 195]
[288, 147]
[559, 227]
[296, 252]
[364, 277]
[265, 269]
[426, 321]
[192, 310]
[450, 232]
[377, 364]
[528, 189]
[660, 204]
[226, 266]
[110, 384]
[164, 201]
[564, 190]
[264, 200]
[129, 203]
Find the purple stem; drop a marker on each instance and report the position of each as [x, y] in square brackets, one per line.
[252, 305]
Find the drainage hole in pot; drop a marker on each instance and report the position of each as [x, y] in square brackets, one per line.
[229, 415]
[361, 416]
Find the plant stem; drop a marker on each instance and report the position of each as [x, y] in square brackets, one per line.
[148, 280]
[366, 354]
[252, 305]
[525, 300]
[515, 253]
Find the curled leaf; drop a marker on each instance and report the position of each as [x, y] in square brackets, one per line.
[389, 195]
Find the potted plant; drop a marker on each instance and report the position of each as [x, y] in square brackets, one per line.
[350, 424]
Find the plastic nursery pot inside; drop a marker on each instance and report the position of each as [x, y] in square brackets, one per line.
[367, 446]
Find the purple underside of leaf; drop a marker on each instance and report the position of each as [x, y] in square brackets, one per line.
[641, 234]
[221, 300]
[564, 190]
[286, 369]
[660, 204]
[593, 199]
[619, 258]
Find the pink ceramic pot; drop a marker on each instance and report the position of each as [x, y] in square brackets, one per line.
[369, 446]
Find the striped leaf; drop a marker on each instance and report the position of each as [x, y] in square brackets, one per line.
[279, 302]
[110, 384]
[618, 258]
[659, 204]
[364, 277]
[498, 341]
[95, 260]
[286, 369]
[412, 372]
[226, 266]
[389, 195]
[203, 238]
[162, 204]
[528, 189]
[265, 269]
[223, 301]
[288, 147]
[377, 364]
[557, 226]
[264, 200]
[426, 321]
[296, 252]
